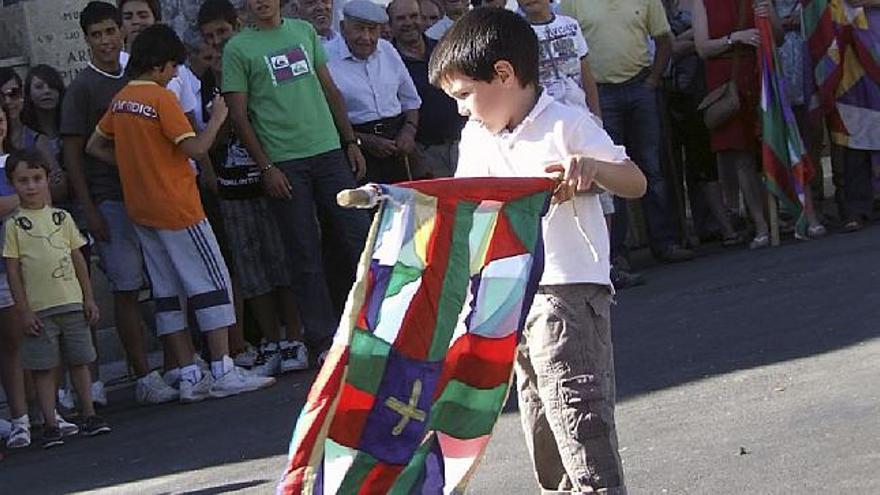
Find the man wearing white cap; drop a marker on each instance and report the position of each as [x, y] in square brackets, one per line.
[382, 101]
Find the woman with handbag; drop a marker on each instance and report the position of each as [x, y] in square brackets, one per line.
[726, 37]
[685, 87]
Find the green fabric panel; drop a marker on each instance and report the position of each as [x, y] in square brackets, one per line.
[366, 363]
[523, 215]
[466, 412]
[354, 477]
[401, 275]
[455, 282]
[413, 471]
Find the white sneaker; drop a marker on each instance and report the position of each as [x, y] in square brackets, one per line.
[237, 381]
[152, 389]
[268, 362]
[67, 428]
[246, 358]
[201, 363]
[20, 436]
[172, 377]
[99, 394]
[294, 356]
[67, 399]
[194, 392]
[5, 428]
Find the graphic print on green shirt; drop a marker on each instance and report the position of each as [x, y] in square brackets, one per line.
[277, 69]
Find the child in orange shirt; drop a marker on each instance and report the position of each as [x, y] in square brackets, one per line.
[153, 140]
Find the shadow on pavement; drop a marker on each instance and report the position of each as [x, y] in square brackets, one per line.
[745, 309]
[730, 311]
[149, 442]
[227, 488]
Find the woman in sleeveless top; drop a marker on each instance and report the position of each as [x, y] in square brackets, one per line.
[718, 35]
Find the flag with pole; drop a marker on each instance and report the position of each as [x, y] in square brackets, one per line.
[787, 166]
[421, 364]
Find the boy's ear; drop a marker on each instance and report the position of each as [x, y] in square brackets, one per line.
[505, 72]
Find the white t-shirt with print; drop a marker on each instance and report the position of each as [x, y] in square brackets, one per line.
[576, 247]
[561, 48]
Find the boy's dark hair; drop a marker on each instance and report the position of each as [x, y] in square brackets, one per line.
[33, 158]
[96, 12]
[217, 10]
[154, 6]
[153, 48]
[478, 40]
[53, 79]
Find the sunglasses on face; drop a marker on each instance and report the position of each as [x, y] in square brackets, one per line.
[12, 93]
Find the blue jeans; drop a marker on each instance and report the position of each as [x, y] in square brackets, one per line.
[316, 181]
[632, 119]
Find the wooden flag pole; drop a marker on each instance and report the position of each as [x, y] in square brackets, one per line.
[774, 219]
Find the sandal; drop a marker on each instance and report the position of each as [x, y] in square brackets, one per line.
[760, 241]
[813, 232]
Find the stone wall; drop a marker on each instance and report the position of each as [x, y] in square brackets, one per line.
[44, 32]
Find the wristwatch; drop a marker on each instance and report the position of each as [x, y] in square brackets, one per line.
[348, 142]
[267, 168]
[728, 40]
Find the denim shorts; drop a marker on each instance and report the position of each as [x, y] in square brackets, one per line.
[120, 257]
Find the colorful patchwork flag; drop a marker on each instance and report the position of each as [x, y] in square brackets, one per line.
[844, 47]
[787, 165]
[422, 362]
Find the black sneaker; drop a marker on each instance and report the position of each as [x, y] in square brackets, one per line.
[52, 437]
[95, 425]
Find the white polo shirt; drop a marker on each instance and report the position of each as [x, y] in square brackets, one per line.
[576, 248]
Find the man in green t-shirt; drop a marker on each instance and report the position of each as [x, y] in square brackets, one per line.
[291, 118]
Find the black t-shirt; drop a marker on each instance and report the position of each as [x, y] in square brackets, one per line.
[85, 102]
[238, 176]
[439, 120]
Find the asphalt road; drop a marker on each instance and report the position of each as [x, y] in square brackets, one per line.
[740, 372]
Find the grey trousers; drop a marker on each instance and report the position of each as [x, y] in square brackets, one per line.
[565, 372]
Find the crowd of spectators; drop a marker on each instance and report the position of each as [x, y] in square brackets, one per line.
[223, 220]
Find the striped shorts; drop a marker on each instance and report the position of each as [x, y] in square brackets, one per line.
[186, 268]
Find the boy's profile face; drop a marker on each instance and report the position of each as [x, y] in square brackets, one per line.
[217, 33]
[485, 102]
[105, 41]
[166, 73]
[136, 16]
[31, 184]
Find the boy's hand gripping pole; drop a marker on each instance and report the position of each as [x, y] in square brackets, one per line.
[364, 197]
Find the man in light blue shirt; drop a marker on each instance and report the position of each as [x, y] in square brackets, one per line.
[381, 99]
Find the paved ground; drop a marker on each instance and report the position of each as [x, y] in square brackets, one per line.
[738, 373]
